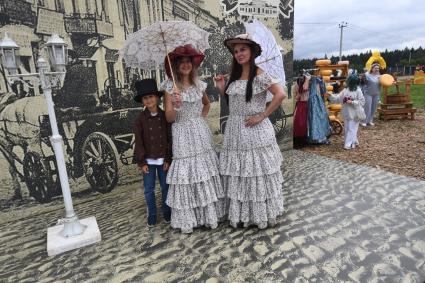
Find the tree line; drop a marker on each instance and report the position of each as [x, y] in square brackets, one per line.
[405, 57]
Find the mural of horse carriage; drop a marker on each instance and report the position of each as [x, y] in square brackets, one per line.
[95, 142]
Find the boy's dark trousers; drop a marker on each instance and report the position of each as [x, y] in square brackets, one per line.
[149, 184]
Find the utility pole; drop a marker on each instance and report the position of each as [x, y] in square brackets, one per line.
[342, 25]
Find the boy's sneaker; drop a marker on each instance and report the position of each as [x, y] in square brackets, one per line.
[363, 124]
[151, 221]
[371, 124]
[167, 218]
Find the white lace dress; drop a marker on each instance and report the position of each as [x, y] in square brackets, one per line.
[250, 159]
[195, 195]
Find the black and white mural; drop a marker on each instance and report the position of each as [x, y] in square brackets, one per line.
[94, 105]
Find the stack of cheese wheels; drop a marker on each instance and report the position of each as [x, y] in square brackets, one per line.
[335, 107]
[323, 62]
[325, 72]
[326, 79]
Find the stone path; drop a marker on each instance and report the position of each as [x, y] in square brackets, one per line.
[343, 223]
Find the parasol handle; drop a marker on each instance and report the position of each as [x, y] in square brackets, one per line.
[168, 59]
[171, 70]
[175, 89]
[267, 60]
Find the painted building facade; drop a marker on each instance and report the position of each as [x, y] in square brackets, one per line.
[94, 105]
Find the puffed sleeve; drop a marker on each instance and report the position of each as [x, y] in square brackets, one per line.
[202, 86]
[262, 82]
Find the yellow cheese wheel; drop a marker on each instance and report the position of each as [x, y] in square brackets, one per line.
[323, 62]
[335, 107]
[326, 79]
[386, 80]
[329, 88]
[325, 72]
[332, 117]
[343, 63]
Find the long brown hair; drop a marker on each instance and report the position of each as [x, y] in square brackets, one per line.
[175, 64]
[236, 72]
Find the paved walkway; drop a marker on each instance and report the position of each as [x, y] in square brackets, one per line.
[343, 223]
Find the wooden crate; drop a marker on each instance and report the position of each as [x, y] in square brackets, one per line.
[397, 105]
[397, 113]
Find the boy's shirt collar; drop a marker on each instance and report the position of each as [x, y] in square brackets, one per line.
[147, 113]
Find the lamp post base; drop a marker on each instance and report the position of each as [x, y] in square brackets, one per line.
[72, 226]
[57, 243]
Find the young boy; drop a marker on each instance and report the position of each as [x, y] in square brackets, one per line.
[153, 147]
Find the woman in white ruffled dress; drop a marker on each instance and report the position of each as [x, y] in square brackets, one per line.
[195, 195]
[250, 160]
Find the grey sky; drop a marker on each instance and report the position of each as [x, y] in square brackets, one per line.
[372, 24]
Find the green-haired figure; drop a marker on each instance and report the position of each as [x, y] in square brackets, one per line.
[352, 100]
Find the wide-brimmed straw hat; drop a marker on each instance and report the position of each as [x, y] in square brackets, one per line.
[244, 38]
[184, 51]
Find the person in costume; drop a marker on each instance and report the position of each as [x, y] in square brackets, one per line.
[196, 196]
[250, 158]
[352, 109]
[152, 150]
[301, 111]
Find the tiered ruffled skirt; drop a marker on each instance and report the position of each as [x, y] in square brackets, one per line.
[251, 176]
[195, 194]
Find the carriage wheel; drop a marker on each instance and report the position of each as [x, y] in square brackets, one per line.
[100, 161]
[278, 119]
[38, 177]
[336, 127]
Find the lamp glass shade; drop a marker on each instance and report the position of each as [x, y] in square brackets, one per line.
[10, 59]
[58, 53]
[10, 54]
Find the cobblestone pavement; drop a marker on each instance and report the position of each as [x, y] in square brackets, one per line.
[343, 223]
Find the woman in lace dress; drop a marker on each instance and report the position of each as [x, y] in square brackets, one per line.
[195, 195]
[250, 159]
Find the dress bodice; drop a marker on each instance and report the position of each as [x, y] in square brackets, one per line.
[236, 92]
[191, 100]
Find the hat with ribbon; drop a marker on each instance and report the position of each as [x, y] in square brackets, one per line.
[183, 51]
[244, 38]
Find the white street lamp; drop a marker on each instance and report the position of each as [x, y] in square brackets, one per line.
[9, 54]
[72, 234]
[58, 53]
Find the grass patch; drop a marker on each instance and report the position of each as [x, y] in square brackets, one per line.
[417, 94]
